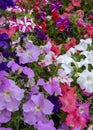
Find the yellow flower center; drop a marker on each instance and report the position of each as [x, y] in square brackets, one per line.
[38, 108]
[28, 53]
[7, 93]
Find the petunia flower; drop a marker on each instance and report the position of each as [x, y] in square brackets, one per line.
[85, 81]
[6, 3]
[3, 128]
[4, 41]
[56, 5]
[76, 3]
[52, 87]
[48, 125]
[29, 55]
[11, 96]
[74, 120]
[5, 116]
[35, 109]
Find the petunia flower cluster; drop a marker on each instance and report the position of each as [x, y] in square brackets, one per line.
[46, 65]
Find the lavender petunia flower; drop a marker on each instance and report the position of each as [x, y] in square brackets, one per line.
[15, 67]
[29, 55]
[27, 71]
[4, 83]
[52, 87]
[56, 5]
[48, 125]
[5, 116]
[3, 128]
[35, 109]
[11, 97]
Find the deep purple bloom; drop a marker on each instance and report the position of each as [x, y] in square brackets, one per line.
[40, 34]
[56, 5]
[4, 41]
[55, 101]
[41, 15]
[7, 54]
[3, 66]
[6, 3]
[24, 35]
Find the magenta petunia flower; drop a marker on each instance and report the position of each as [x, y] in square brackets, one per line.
[36, 108]
[84, 110]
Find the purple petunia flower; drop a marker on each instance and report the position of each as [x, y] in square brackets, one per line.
[3, 128]
[4, 83]
[41, 15]
[52, 87]
[62, 21]
[40, 34]
[5, 116]
[55, 101]
[56, 5]
[7, 54]
[48, 125]
[11, 96]
[4, 41]
[29, 55]
[3, 66]
[63, 127]
[15, 67]
[36, 108]
[6, 3]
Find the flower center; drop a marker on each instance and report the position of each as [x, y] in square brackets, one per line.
[81, 110]
[28, 53]
[38, 108]
[7, 93]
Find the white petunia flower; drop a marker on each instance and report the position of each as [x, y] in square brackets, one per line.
[85, 81]
[82, 46]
